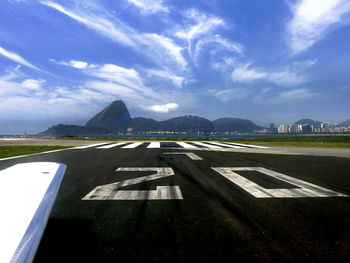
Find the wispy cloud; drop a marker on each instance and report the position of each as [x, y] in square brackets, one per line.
[232, 94]
[312, 20]
[161, 49]
[285, 97]
[159, 46]
[72, 63]
[102, 25]
[200, 30]
[16, 58]
[167, 75]
[287, 76]
[148, 7]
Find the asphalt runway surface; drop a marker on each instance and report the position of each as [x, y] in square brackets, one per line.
[165, 205]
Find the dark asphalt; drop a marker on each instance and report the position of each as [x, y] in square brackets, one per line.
[216, 220]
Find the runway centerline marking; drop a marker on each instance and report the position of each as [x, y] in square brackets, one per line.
[112, 192]
[193, 156]
[304, 189]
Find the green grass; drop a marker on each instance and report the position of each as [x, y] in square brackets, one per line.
[10, 151]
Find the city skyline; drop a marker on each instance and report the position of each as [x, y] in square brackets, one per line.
[61, 61]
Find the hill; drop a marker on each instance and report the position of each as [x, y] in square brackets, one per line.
[234, 125]
[344, 124]
[73, 130]
[114, 117]
[188, 123]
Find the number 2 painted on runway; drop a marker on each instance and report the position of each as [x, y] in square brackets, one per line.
[112, 191]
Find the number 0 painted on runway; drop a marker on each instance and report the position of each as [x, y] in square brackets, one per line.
[113, 192]
[303, 189]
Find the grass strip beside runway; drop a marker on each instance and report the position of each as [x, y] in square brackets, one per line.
[10, 151]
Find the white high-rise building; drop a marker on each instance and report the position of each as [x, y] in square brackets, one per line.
[282, 128]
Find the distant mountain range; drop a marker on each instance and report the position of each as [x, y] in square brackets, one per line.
[344, 124]
[116, 118]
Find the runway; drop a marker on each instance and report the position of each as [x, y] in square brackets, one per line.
[168, 203]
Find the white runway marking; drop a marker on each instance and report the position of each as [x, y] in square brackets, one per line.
[248, 145]
[133, 145]
[90, 146]
[108, 146]
[207, 145]
[193, 156]
[154, 145]
[112, 192]
[227, 145]
[186, 145]
[304, 189]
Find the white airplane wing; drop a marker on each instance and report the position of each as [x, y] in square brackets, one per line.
[27, 194]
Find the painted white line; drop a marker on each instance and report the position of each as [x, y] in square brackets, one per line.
[249, 145]
[108, 146]
[112, 192]
[27, 193]
[304, 189]
[193, 156]
[90, 145]
[154, 145]
[227, 145]
[207, 145]
[133, 145]
[186, 145]
[32, 154]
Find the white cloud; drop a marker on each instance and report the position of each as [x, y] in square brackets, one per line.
[72, 63]
[17, 58]
[10, 85]
[163, 108]
[148, 7]
[287, 76]
[312, 20]
[232, 94]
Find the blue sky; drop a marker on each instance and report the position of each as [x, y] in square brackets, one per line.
[267, 61]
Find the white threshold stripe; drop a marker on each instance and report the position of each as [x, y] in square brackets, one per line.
[90, 145]
[108, 146]
[207, 145]
[133, 145]
[248, 145]
[226, 145]
[186, 145]
[27, 194]
[154, 145]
